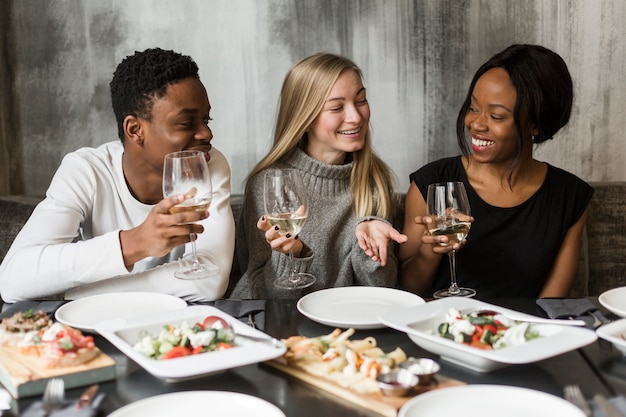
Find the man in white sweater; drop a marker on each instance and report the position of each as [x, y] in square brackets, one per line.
[104, 225]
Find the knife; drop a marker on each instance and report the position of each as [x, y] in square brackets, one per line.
[607, 406]
[86, 397]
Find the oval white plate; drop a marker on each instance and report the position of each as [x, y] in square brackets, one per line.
[421, 323]
[194, 403]
[84, 313]
[124, 334]
[357, 307]
[488, 401]
[614, 300]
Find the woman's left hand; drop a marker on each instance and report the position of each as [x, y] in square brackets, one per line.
[374, 236]
[277, 241]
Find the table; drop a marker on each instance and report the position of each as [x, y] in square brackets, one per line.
[598, 368]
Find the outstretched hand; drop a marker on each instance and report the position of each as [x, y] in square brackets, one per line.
[374, 236]
[161, 231]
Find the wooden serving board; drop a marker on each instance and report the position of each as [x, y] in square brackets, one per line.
[379, 403]
[23, 375]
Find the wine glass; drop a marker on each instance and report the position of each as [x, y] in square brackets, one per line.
[185, 172]
[449, 209]
[285, 203]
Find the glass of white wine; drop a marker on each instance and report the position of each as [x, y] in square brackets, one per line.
[185, 172]
[286, 206]
[449, 208]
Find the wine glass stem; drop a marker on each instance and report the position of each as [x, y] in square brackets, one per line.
[195, 265]
[293, 276]
[454, 288]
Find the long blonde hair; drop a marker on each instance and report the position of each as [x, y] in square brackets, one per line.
[305, 89]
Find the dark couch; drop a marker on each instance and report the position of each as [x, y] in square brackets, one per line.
[603, 250]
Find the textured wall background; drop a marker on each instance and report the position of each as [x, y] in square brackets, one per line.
[418, 58]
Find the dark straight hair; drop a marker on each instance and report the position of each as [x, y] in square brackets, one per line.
[545, 93]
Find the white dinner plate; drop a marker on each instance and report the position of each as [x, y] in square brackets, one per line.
[85, 313]
[357, 307]
[125, 333]
[488, 401]
[197, 403]
[421, 323]
[614, 300]
[615, 333]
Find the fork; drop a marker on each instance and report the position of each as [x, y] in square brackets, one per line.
[53, 396]
[574, 395]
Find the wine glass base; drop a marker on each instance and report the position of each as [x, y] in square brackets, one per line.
[463, 292]
[291, 283]
[202, 271]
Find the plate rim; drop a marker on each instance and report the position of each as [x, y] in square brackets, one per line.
[602, 299]
[359, 325]
[605, 331]
[206, 394]
[484, 387]
[58, 314]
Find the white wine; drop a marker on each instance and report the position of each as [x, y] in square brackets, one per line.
[288, 222]
[456, 233]
[192, 204]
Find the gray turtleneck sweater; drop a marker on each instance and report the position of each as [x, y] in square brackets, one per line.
[331, 251]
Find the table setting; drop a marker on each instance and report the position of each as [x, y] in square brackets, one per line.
[545, 371]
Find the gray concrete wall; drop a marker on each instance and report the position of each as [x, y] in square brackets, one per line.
[418, 58]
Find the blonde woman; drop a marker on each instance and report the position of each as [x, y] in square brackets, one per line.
[322, 131]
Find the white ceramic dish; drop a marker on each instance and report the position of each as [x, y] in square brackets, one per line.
[84, 313]
[421, 322]
[357, 307]
[488, 401]
[614, 300]
[194, 403]
[615, 333]
[125, 333]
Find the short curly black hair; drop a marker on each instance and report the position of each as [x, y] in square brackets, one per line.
[143, 77]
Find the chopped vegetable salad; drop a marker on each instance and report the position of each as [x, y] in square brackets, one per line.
[483, 331]
[212, 334]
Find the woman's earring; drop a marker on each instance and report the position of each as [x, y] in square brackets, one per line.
[532, 138]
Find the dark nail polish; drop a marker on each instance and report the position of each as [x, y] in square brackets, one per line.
[297, 237]
[263, 218]
[276, 227]
[288, 235]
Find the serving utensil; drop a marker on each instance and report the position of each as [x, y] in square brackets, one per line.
[529, 319]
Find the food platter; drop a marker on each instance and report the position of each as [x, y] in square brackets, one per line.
[84, 313]
[124, 333]
[421, 323]
[356, 307]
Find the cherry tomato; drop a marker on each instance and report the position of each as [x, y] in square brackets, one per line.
[209, 322]
[177, 352]
[196, 350]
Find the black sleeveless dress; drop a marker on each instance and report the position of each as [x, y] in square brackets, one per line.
[509, 251]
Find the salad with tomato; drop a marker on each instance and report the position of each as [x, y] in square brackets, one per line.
[483, 331]
[213, 334]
